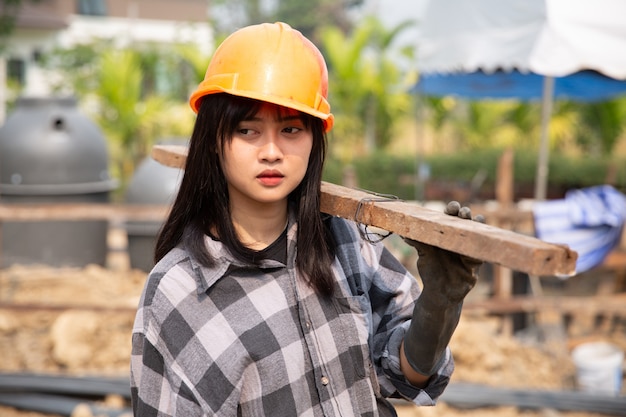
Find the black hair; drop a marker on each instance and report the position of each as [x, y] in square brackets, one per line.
[202, 203]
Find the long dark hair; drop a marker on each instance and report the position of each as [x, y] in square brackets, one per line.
[202, 202]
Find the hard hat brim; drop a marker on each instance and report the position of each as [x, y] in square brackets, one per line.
[206, 89]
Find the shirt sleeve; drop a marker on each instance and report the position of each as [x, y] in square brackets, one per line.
[391, 368]
[152, 393]
[393, 291]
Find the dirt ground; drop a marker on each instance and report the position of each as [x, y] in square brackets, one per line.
[86, 330]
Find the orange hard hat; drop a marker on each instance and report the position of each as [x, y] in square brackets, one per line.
[273, 63]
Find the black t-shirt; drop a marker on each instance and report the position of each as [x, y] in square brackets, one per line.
[276, 251]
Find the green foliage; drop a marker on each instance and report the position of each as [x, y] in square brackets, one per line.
[485, 123]
[130, 94]
[8, 13]
[463, 165]
[387, 174]
[307, 15]
[601, 125]
[302, 15]
[366, 85]
[196, 62]
[378, 172]
[574, 128]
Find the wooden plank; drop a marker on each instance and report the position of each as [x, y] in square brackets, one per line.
[30, 307]
[174, 156]
[599, 304]
[488, 243]
[81, 211]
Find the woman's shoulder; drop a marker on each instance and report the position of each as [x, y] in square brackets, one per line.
[171, 259]
[350, 232]
[343, 230]
[172, 270]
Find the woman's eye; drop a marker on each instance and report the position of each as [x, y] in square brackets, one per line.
[245, 131]
[292, 130]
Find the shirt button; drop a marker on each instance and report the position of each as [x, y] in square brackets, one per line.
[308, 324]
[325, 381]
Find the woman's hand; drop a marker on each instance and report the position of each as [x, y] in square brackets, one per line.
[447, 277]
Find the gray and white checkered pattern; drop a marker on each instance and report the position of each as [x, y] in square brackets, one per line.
[237, 340]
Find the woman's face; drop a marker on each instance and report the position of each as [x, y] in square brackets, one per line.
[267, 157]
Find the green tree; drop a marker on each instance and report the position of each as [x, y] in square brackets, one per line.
[304, 15]
[600, 125]
[9, 10]
[480, 124]
[130, 93]
[367, 88]
[307, 15]
[127, 119]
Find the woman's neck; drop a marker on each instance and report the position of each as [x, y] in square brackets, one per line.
[259, 227]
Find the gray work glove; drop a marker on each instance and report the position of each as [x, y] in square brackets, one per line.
[447, 277]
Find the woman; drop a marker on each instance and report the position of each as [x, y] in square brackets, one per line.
[258, 304]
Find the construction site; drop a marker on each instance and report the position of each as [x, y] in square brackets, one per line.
[73, 270]
[65, 331]
[539, 335]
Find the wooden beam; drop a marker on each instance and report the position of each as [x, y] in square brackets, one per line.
[25, 212]
[488, 243]
[598, 304]
[30, 307]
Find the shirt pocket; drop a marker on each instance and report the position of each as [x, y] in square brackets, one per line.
[354, 331]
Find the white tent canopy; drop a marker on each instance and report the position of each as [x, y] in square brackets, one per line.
[548, 37]
[551, 38]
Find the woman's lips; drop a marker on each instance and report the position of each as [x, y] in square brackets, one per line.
[270, 178]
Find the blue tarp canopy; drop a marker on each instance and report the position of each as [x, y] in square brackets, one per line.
[523, 49]
[582, 86]
[548, 37]
[502, 49]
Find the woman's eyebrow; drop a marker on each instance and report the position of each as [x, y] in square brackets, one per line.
[252, 119]
[289, 117]
[279, 118]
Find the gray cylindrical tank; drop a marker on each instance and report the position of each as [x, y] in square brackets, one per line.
[151, 184]
[51, 153]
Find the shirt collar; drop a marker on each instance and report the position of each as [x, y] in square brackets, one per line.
[206, 277]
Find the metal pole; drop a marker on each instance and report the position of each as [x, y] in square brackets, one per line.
[541, 181]
[420, 168]
[3, 89]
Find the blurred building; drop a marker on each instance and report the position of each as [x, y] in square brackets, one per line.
[46, 24]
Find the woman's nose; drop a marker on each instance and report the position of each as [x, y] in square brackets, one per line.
[271, 151]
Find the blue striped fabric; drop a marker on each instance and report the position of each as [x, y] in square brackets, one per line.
[588, 220]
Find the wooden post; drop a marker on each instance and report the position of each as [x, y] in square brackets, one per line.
[502, 276]
[505, 182]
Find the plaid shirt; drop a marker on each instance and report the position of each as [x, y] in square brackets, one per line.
[236, 340]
